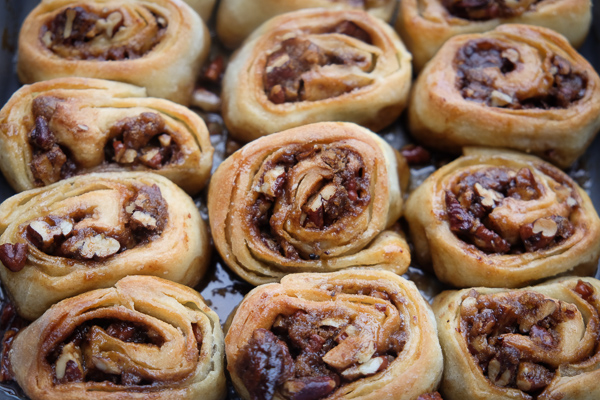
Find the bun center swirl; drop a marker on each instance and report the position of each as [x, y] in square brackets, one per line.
[99, 225]
[305, 197]
[484, 10]
[513, 75]
[89, 32]
[143, 140]
[321, 64]
[508, 210]
[309, 353]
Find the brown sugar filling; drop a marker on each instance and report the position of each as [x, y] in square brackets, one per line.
[142, 140]
[295, 357]
[484, 10]
[145, 215]
[296, 71]
[81, 33]
[345, 191]
[477, 58]
[472, 200]
[74, 359]
[490, 322]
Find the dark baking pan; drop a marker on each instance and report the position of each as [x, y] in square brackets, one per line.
[221, 288]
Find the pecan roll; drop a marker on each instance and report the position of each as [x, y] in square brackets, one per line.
[357, 334]
[156, 44]
[425, 25]
[502, 219]
[318, 198]
[236, 19]
[312, 66]
[55, 129]
[144, 338]
[540, 342]
[518, 86]
[88, 232]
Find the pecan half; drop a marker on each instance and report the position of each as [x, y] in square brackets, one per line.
[14, 256]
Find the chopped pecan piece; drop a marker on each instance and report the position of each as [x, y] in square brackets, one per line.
[265, 363]
[41, 137]
[48, 167]
[544, 232]
[309, 388]
[86, 244]
[584, 289]
[214, 70]
[69, 366]
[5, 368]
[415, 155]
[532, 377]
[148, 211]
[144, 139]
[14, 256]
[369, 368]
[273, 181]
[525, 187]
[460, 220]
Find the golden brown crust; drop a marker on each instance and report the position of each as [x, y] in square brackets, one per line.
[425, 25]
[236, 19]
[550, 331]
[316, 65]
[536, 95]
[374, 312]
[502, 219]
[88, 232]
[87, 118]
[158, 44]
[318, 198]
[144, 338]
